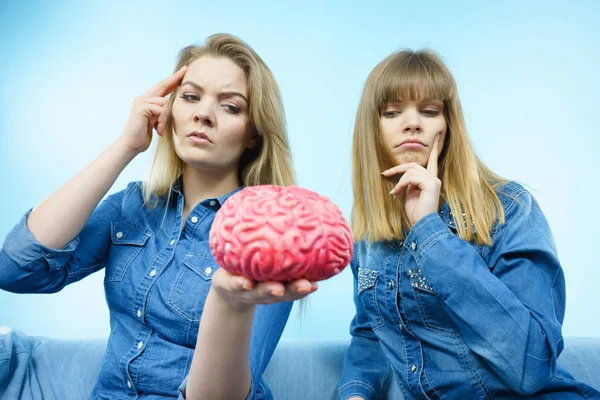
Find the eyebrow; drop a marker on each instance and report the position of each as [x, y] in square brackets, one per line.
[416, 101]
[226, 94]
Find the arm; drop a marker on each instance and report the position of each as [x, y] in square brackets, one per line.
[519, 294]
[60, 241]
[365, 367]
[35, 252]
[221, 364]
[61, 216]
[27, 266]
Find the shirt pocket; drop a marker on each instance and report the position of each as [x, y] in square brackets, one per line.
[188, 294]
[367, 292]
[127, 241]
[431, 313]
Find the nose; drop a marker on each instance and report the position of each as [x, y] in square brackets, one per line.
[204, 115]
[412, 122]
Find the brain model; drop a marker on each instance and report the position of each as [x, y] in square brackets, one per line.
[274, 233]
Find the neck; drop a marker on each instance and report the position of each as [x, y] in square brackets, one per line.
[199, 185]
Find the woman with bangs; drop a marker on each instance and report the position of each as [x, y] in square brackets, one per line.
[458, 287]
[222, 128]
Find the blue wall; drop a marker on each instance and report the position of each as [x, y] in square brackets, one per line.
[527, 74]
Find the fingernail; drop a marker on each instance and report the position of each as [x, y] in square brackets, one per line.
[277, 293]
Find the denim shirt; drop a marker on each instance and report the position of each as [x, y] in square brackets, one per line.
[157, 277]
[458, 320]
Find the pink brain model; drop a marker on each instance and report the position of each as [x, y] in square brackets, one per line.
[279, 233]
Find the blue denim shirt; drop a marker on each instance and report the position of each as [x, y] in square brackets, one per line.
[458, 320]
[157, 277]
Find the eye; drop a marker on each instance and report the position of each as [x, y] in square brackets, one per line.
[191, 97]
[232, 109]
[431, 112]
[390, 114]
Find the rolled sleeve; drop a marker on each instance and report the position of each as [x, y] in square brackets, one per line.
[356, 388]
[25, 250]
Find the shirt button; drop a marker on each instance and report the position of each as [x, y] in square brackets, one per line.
[172, 242]
[413, 369]
[139, 313]
[119, 235]
[129, 384]
[140, 344]
[153, 272]
[212, 203]
[194, 219]
[413, 246]
[208, 270]
[391, 284]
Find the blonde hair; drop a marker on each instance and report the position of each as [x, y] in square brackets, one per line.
[468, 186]
[270, 161]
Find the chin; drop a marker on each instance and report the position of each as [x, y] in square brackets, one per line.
[406, 160]
[200, 163]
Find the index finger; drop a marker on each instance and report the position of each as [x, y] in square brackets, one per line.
[432, 163]
[167, 85]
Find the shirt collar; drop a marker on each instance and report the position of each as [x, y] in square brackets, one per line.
[177, 187]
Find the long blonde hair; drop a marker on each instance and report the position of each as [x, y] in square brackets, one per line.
[270, 161]
[468, 186]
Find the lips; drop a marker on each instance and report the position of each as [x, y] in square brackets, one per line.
[199, 136]
[412, 143]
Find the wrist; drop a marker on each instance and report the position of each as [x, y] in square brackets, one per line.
[126, 147]
[229, 304]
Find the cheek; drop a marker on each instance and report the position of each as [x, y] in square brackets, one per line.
[387, 128]
[237, 128]
[176, 116]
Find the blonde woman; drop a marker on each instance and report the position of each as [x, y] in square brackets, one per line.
[458, 286]
[223, 127]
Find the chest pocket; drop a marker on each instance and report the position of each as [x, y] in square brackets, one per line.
[188, 295]
[431, 312]
[127, 241]
[367, 292]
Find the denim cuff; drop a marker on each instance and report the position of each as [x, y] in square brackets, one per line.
[425, 233]
[356, 388]
[24, 249]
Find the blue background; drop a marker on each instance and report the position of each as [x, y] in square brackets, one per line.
[527, 73]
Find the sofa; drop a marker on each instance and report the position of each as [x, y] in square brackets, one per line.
[299, 370]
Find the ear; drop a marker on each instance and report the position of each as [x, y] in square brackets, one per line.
[252, 142]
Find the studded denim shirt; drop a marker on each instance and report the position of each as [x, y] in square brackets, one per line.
[458, 320]
[157, 276]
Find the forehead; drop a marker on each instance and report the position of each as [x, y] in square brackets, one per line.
[412, 79]
[216, 73]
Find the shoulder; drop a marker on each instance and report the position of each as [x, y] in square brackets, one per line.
[133, 192]
[514, 197]
[522, 213]
[130, 198]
